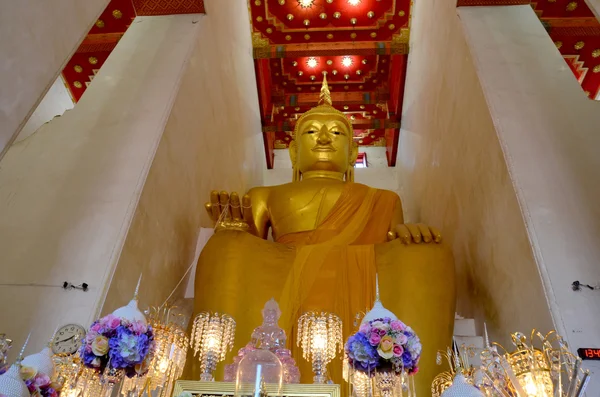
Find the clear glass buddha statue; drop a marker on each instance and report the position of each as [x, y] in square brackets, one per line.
[270, 337]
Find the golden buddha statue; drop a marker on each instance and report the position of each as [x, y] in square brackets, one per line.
[331, 236]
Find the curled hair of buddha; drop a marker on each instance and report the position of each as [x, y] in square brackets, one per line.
[325, 107]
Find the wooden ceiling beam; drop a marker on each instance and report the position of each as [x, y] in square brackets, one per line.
[396, 47]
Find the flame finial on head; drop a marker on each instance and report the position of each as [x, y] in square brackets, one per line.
[325, 95]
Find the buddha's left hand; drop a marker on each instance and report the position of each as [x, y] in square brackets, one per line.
[410, 233]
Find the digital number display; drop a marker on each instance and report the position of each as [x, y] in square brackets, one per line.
[589, 354]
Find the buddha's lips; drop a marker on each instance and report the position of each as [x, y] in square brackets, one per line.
[323, 149]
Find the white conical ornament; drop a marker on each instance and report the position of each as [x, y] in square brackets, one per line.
[131, 312]
[41, 362]
[461, 388]
[378, 311]
[11, 383]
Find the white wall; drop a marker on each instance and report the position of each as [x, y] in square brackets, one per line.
[55, 103]
[68, 193]
[548, 130]
[212, 140]
[452, 174]
[38, 38]
[116, 187]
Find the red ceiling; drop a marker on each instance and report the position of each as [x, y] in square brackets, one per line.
[575, 31]
[295, 45]
[108, 30]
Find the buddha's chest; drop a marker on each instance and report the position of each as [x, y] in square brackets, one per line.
[302, 206]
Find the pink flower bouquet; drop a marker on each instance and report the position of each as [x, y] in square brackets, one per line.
[125, 344]
[384, 344]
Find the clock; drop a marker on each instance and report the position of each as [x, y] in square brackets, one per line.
[68, 339]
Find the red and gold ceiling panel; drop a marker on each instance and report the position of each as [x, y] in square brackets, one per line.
[476, 3]
[108, 30]
[582, 54]
[362, 47]
[561, 8]
[575, 31]
[304, 21]
[116, 18]
[168, 7]
[81, 69]
[354, 72]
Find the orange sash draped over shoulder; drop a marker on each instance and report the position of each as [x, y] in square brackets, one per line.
[334, 267]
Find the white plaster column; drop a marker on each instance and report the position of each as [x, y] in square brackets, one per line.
[116, 187]
[69, 192]
[55, 103]
[452, 175]
[38, 38]
[548, 131]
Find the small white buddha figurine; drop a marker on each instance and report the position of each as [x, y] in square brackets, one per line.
[268, 336]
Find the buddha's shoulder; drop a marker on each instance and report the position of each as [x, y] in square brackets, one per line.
[380, 192]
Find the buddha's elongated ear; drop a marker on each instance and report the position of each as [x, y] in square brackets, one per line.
[293, 151]
[293, 156]
[349, 175]
[353, 154]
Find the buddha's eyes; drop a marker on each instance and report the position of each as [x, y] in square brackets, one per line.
[314, 132]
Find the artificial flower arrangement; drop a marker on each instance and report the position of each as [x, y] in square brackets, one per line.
[120, 343]
[384, 344]
[39, 385]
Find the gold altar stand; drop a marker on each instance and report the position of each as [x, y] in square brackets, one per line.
[227, 389]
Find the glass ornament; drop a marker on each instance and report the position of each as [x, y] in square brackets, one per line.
[255, 371]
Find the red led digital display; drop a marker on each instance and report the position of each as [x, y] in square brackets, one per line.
[589, 354]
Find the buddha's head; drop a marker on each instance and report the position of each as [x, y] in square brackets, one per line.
[323, 140]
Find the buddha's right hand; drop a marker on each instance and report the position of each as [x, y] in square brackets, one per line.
[229, 213]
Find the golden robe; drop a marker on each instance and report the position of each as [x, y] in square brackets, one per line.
[331, 268]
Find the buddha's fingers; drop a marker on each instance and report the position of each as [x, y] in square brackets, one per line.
[208, 207]
[247, 210]
[415, 233]
[223, 203]
[403, 234]
[214, 205]
[236, 209]
[391, 235]
[437, 235]
[425, 233]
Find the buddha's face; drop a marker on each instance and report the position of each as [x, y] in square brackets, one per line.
[323, 145]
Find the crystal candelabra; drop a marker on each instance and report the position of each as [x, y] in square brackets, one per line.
[5, 345]
[320, 336]
[168, 359]
[541, 366]
[212, 339]
[459, 366]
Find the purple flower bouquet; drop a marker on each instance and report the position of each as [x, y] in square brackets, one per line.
[125, 344]
[384, 345]
[39, 385]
